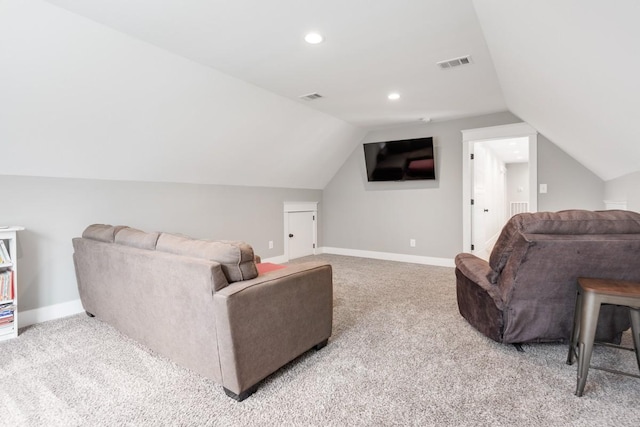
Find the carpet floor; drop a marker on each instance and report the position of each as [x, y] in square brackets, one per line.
[400, 354]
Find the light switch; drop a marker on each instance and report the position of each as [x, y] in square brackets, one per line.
[543, 188]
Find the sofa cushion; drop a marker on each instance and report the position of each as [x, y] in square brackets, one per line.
[235, 258]
[102, 232]
[137, 238]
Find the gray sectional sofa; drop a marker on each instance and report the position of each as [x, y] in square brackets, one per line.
[202, 303]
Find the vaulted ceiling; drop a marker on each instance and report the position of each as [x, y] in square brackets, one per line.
[567, 67]
[371, 48]
[570, 69]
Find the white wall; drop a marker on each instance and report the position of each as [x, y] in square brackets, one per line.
[624, 189]
[570, 185]
[517, 183]
[78, 99]
[359, 216]
[54, 210]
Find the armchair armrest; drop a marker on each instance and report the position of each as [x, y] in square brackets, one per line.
[264, 323]
[478, 271]
[479, 300]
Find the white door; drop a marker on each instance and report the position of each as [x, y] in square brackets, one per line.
[489, 194]
[479, 208]
[301, 238]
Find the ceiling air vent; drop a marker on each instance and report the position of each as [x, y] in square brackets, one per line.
[311, 96]
[455, 62]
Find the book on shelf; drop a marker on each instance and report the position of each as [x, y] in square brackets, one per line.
[7, 315]
[6, 325]
[7, 306]
[6, 286]
[4, 254]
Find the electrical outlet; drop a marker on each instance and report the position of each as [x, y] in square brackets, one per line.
[270, 244]
[412, 243]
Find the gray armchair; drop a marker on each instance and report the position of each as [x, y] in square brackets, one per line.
[527, 290]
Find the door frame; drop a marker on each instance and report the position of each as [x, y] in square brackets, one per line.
[291, 207]
[471, 136]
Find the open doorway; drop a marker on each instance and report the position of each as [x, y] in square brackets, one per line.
[500, 169]
[499, 180]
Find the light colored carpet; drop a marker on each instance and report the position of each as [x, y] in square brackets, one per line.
[400, 354]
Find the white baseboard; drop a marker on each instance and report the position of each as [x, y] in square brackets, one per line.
[50, 312]
[57, 311]
[415, 259]
[276, 259]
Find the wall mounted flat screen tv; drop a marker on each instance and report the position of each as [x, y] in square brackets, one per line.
[402, 160]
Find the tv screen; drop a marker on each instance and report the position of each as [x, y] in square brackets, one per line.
[402, 160]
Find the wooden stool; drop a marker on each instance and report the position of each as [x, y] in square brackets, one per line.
[592, 293]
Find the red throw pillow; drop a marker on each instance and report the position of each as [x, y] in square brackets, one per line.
[265, 267]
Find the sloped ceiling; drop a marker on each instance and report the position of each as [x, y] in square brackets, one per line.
[208, 91]
[371, 48]
[570, 68]
[81, 100]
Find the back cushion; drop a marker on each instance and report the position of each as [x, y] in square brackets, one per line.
[563, 222]
[102, 232]
[137, 238]
[236, 258]
[581, 222]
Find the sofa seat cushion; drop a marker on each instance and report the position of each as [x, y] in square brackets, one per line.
[235, 258]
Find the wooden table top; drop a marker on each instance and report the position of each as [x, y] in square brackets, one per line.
[610, 286]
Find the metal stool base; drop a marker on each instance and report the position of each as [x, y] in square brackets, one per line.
[592, 293]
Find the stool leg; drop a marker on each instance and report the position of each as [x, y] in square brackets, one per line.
[635, 331]
[588, 323]
[575, 330]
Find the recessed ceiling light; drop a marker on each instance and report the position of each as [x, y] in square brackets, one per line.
[393, 96]
[313, 38]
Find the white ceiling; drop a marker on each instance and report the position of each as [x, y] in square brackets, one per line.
[510, 150]
[371, 48]
[570, 69]
[567, 67]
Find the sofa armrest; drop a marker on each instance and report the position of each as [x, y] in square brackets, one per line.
[264, 323]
